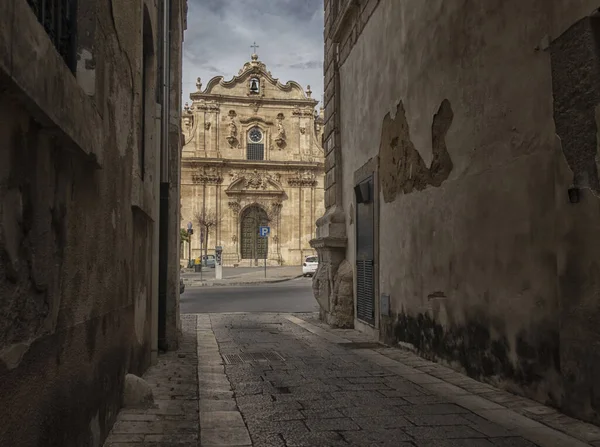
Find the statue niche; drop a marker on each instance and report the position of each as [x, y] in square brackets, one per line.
[280, 139]
[232, 138]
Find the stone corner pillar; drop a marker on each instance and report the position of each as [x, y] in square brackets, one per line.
[330, 283]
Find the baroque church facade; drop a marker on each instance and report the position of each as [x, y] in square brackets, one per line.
[252, 157]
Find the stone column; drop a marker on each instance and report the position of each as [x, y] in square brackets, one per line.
[336, 302]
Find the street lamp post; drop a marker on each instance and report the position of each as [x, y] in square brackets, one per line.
[190, 231]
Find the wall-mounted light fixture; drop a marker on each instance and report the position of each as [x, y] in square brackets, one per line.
[362, 192]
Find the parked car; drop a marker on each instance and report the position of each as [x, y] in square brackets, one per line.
[310, 265]
[209, 261]
[181, 286]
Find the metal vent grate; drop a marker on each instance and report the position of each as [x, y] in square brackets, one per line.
[232, 359]
[365, 306]
[252, 357]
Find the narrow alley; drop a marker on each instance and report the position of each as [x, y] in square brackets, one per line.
[268, 379]
[320, 223]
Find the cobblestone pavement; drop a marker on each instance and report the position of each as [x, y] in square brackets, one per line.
[280, 380]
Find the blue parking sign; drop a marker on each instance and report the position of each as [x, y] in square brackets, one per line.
[264, 231]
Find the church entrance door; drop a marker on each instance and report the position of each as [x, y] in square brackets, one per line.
[252, 245]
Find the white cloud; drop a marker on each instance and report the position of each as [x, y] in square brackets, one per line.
[289, 34]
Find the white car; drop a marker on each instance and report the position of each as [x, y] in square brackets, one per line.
[311, 263]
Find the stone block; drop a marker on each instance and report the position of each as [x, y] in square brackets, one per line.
[220, 419]
[138, 392]
[233, 436]
[443, 432]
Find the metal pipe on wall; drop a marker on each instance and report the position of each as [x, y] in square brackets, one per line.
[163, 214]
[166, 81]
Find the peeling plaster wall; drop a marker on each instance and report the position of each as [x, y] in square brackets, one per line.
[487, 265]
[76, 276]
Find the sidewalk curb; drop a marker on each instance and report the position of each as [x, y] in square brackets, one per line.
[243, 283]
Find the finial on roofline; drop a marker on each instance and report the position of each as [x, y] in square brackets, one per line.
[254, 55]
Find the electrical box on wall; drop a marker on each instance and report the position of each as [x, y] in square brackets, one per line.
[384, 305]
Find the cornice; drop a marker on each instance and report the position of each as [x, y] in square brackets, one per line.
[232, 100]
[196, 162]
[329, 242]
[246, 192]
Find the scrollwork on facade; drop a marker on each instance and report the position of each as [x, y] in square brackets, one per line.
[255, 106]
[303, 178]
[254, 179]
[276, 208]
[207, 106]
[208, 175]
[235, 206]
[306, 111]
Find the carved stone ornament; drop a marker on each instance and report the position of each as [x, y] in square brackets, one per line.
[207, 125]
[233, 132]
[303, 178]
[210, 106]
[276, 208]
[280, 139]
[199, 84]
[188, 121]
[306, 111]
[208, 174]
[303, 130]
[234, 206]
[255, 106]
[254, 179]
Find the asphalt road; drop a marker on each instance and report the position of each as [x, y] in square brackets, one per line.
[290, 296]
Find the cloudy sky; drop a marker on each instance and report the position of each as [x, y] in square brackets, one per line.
[289, 34]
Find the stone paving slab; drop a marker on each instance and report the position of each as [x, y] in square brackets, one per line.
[326, 395]
[296, 382]
[173, 420]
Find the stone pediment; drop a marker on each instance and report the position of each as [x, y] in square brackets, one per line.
[237, 85]
[254, 182]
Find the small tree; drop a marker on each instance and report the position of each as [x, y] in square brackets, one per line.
[183, 235]
[207, 221]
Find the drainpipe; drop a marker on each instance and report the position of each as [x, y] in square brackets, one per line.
[166, 78]
[163, 266]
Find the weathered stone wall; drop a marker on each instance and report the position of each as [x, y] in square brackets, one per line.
[487, 264]
[76, 225]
